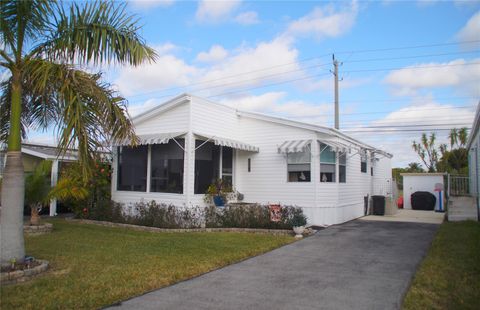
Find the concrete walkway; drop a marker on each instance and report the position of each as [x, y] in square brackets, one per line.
[406, 215]
[357, 265]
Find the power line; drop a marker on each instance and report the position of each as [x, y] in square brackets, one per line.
[406, 126]
[308, 67]
[399, 130]
[408, 57]
[407, 47]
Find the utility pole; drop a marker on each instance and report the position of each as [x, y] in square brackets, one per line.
[335, 75]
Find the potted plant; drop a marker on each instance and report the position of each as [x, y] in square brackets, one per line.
[218, 193]
[298, 222]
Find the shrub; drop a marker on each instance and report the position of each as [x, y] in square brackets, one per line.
[162, 215]
[149, 214]
[249, 216]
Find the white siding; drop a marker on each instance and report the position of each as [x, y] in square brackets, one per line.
[173, 120]
[323, 203]
[214, 119]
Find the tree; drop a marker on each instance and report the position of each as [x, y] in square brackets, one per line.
[427, 152]
[455, 159]
[40, 41]
[36, 190]
[414, 167]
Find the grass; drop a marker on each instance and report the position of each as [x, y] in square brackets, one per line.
[449, 277]
[94, 266]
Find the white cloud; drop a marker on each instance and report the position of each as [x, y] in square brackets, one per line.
[460, 73]
[215, 54]
[243, 67]
[246, 66]
[247, 18]
[167, 71]
[324, 22]
[274, 103]
[148, 4]
[470, 32]
[139, 108]
[165, 48]
[215, 11]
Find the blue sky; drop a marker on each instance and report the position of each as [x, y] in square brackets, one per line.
[404, 63]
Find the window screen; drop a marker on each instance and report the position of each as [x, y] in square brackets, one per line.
[132, 168]
[167, 167]
[327, 164]
[342, 168]
[298, 166]
[207, 165]
[363, 162]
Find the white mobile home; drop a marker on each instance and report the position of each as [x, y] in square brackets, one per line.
[188, 142]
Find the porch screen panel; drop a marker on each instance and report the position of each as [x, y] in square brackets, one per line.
[167, 167]
[227, 164]
[207, 165]
[132, 168]
[298, 166]
[327, 163]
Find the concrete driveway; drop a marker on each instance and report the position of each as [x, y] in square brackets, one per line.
[357, 265]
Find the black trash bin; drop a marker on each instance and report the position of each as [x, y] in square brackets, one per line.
[378, 205]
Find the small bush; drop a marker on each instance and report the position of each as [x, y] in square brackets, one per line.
[161, 215]
[249, 216]
[149, 214]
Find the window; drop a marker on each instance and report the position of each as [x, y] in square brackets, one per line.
[207, 164]
[249, 165]
[298, 166]
[342, 168]
[327, 163]
[371, 171]
[363, 162]
[167, 167]
[132, 168]
[227, 164]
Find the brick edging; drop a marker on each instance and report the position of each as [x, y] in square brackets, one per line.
[17, 276]
[185, 230]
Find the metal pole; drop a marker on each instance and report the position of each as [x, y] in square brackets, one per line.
[335, 74]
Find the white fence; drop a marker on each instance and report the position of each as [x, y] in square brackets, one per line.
[459, 186]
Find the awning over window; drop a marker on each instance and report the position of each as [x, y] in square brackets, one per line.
[336, 146]
[293, 146]
[157, 138]
[234, 144]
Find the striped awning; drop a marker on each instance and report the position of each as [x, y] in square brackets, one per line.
[293, 146]
[336, 146]
[234, 144]
[157, 138]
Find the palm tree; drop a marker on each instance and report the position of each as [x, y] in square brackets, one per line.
[43, 45]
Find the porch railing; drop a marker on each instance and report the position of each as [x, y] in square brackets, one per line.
[459, 186]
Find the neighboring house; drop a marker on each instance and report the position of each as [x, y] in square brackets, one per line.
[33, 154]
[473, 146]
[188, 141]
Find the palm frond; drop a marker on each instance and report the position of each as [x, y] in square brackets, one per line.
[97, 32]
[23, 21]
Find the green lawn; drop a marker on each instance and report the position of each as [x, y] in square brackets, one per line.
[94, 266]
[449, 277]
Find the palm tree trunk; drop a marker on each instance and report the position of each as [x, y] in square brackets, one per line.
[11, 217]
[13, 184]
